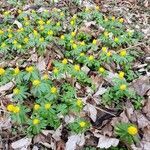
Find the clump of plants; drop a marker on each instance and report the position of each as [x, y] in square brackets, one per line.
[50, 94]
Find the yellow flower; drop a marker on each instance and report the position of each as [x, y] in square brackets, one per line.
[6, 13]
[74, 17]
[123, 53]
[1, 32]
[47, 106]
[72, 22]
[77, 67]
[3, 45]
[74, 46]
[94, 42]
[27, 23]
[97, 8]
[79, 103]
[87, 9]
[53, 90]
[15, 42]
[62, 37]
[19, 11]
[35, 32]
[16, 91]
[132, 130]
[50, 32]
[19, 46]
[64, 61]
[16, 109]
[45, 76]
[2, 71]
[82, 54]
[9, 30]
[41, 22]
[26, 40]
[73, 34]
[58, 24]
[36, 107]
[121, 74]
[36, 82]
[29, 69]
[41, 39]
[16, 71]
[106, 34]
[55, 70]
[116, 39]
[36, 121]
[48, 22]
[61, 14]
[82, 43]
[121, 20]
[82, 124]
[108, 54]
[10, 35]
[41, 27]
[20, 30]
[106, 19]
[71, 41]
[10, 107]
[123, 87]
[91, 58]
[104, 49]
[101, 70]
[113, 18]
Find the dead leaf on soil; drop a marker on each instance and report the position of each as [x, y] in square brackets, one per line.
[75, 140]
[6, 87]
[22, 143]
[106, 142]
[91, 110]
[141, 85]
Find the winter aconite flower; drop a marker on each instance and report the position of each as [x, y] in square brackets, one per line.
[108, 54]
[53, 90]
[64, 61]
[16, 109]
[74, 46]
[45, 76]
[94, 42]
[82, 54]
[2, 71]
[73, 34]
[79, 103]
[82, 43]
[16, 71]
[121, 20]
[62, 37]
[36, 107]
[16, 91]
[123, 87]
[123, 53]
[101, 70]
[77, 67]
[113, 18]
[91, 58]
[50, 32]
[10, 107]
[132, 130]
[116, 40]
[82, 124]
[104, 49]
[47, 106]
[36, 121]
[29, 69]
[26, 40]
[55, 70]
[106, 34]
[36, 82]
[121, 74]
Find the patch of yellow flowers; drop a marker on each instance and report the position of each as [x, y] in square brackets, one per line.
[13, 108]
